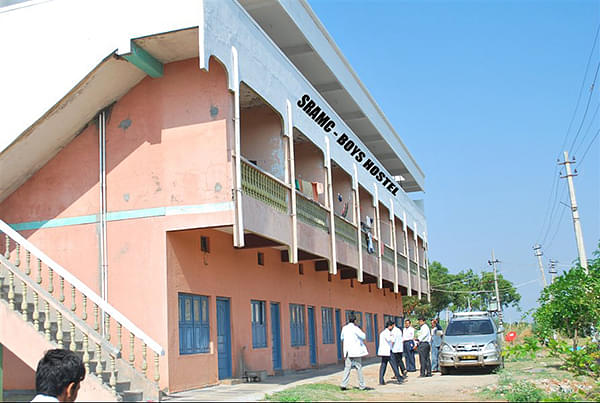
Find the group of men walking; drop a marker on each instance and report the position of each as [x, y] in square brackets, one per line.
[396, 347]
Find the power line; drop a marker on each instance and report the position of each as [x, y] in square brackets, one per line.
[588, 148]
[484, 291]
[562, 214]
[587, 130]
[581, 88]
[552, 200]
[587, 107]
[555, 204]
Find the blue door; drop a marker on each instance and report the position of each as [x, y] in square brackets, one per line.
[276, 335]
[338, 332]
[224, 338]
[312, 335]
[376, 331]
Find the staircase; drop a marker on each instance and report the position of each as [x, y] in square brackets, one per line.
[43, 306]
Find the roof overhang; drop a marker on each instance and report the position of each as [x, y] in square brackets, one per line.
[112, 78]
[297, 31]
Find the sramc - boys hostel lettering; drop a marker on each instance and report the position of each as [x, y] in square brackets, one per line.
[320, 117]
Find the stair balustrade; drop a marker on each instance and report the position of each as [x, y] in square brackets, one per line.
[62, 316]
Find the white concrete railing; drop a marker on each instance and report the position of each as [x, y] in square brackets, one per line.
[78, 317]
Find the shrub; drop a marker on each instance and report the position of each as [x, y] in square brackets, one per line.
[522, 351]
[522, 391]
[582, 361]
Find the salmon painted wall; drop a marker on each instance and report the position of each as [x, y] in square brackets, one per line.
[385, 225]
[168, 144]
[261, 139]
[309, 165]
[17, 374]
[234, 273]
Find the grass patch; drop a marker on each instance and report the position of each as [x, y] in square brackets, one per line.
[316, 392]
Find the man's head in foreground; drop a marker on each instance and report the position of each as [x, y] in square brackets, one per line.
[59, 374]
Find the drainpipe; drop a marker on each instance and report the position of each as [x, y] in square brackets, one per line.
[103, 243]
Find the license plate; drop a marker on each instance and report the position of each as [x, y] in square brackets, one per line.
[468, 357]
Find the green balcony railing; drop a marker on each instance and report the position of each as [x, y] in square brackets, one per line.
[261, 186]
[345, 230]
[402, 262]
[413, 267]
[388, 254]
[312, 212]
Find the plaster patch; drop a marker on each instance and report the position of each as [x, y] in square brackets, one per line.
[126, 197]
[214, 111]
[125, 123]
[218, 187]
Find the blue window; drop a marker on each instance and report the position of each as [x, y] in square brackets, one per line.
[327, 325]
[297, 325]
[387, 318]
[194, 328]
[358, 315]
[369, 327]
[259, 327]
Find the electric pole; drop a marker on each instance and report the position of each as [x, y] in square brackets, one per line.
[575, 212]
[552, 269]
[537, 251]
[499, 304]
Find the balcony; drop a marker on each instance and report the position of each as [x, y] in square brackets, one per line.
[267, 183]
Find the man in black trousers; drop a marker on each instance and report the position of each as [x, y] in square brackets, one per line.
[386, 343]
[424, 348]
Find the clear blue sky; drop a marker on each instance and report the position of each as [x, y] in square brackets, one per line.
[482, 93]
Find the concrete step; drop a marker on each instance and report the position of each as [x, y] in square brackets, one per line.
[132, 395]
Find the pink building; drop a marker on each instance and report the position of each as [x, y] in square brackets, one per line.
[210, 202]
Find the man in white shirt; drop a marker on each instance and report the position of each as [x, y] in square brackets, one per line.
[408, 336]
[424, 348]
[397, 349]
[353, 339]
[386, 342]
[58, 376]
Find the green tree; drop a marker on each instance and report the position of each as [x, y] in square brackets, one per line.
[457, 291]
[571, 304]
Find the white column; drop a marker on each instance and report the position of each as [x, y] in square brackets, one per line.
[291, 170]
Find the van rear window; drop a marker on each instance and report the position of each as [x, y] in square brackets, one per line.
[469, 327]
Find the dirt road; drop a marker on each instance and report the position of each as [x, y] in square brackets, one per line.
[462, 386]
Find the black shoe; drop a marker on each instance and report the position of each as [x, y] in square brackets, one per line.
[422, 376]
[428, 375]
[343, 388]
[382, 383]
[366, 388]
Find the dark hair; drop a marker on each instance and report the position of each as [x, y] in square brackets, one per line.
[407, 320]
[422, 318]
[352, 318]
[56, 370]
[389, 323]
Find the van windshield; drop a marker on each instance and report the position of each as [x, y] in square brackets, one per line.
[469, 327]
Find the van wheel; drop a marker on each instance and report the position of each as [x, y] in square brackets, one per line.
[445, 370]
